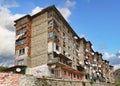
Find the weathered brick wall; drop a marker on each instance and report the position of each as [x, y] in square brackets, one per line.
[8, 79]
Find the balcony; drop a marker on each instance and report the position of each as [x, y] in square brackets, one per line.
[59, 62]
[53, 61]
[21, 32]
[80, 68]
[21, 41]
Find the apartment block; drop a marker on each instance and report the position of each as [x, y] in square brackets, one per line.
[48, 46]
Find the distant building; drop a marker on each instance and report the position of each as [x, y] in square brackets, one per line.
[117, 75]
[47, 45]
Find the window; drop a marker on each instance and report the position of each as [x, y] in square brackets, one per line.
[78, 76]
[56, 36]
[63, 26]
[56, 16]
[63, 52]
[52, 71]
[57, 47]
[74, 75]
[20, 41]
[68, 31]
[50, 56]
[22, 51]
[50, 34]
[21, 31]
[53, 23]
[64, 44]
[64, 72]
[50, 23]
[69, 73]
[68, 47]
[21, 62]
[63, 34]
[49, 14]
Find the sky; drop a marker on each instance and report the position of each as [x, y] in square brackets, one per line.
[96, 20]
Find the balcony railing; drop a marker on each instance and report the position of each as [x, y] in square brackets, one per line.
[59, 61]
[52, 61]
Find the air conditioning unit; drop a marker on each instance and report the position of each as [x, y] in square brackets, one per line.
[99, 65]
[93, 64]
[57, 52]
[86, 62]
[75, 37]
[86, 50]
[86, 57]
[66, 53]
[92, 53]
[79, 54]
[95, 60]
[98, 73]
[93, 71]
[53, 66]
[80, 62]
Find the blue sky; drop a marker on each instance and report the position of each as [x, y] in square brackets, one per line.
[96, 20]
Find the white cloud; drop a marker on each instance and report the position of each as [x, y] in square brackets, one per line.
[36, 10]
[65, 12]
[7, 18]
[69, 3]
[107, 55]
[119, 51]
[7, 39]
[117, 66]
[82, 36]
[114, 59]
[8, 3]
[7, 35]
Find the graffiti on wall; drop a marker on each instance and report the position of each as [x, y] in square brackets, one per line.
[39, 71]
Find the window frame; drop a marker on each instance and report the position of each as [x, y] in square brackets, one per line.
[21, 51]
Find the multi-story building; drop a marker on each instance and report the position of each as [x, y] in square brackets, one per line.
[46, 38]
[47, 45]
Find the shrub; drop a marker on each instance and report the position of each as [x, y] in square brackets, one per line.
[91, 82]
[83, 83]
[117, 84]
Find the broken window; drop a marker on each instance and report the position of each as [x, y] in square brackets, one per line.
[20, 41]
[21, 31]
[21, 62]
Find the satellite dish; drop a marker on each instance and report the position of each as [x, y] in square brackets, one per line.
[18, 69]
[75, 37]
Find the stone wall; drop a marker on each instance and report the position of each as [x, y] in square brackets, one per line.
[9, 79]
